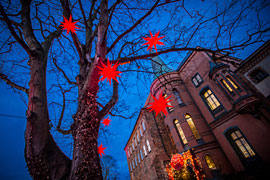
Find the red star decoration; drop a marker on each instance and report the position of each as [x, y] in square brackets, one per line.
[106, 122]
[153, 41]
[69, 25]
[101, 150]
[160, 104]
[109, 71]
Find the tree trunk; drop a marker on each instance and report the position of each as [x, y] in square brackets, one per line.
[43, 157]
[85, 164]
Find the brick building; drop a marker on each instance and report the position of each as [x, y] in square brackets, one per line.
[216, 113]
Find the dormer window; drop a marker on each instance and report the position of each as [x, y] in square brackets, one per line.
[258, 75]
[197, 80]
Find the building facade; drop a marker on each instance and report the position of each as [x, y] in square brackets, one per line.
[224, 119]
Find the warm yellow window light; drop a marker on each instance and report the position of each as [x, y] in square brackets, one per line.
[192, 126]
[180, 131]
[226, 85]
[211, 100]
[232, 83]
[210, 162]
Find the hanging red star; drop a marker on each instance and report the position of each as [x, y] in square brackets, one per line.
[101, 150]
[153, 41]
[69, 25]
[106, 122]
[109, 71]
[160, 104]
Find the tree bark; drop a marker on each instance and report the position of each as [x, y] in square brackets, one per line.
[43, 157]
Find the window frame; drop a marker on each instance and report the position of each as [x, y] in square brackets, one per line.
[185, 145]
[247, 161]
[253, 79]
[169, 109]
[197, 80]
[148, 146]
[193, 129]
[211, 169]
[216, 110]
[177, 97]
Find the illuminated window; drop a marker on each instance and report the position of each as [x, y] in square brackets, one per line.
[177, 96]
[148, 145]
[141, 154]
[226, 85]
[211, 99]
[170, 109]
[180, 132]
[192, 126]
[241, 144]
[143, 125]
[197, 80]
[144, 149]
[232, 82]
[210, 162]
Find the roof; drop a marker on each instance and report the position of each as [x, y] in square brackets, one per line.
[216, 66]
[159, 67]
[255, 53]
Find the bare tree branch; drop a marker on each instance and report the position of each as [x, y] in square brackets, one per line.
[12, 84]
[12, 31]
[63, 72]
[67, 13]
[107, 108]
[132, 27]
[58, 127]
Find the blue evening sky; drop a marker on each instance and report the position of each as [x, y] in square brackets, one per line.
[12, 163]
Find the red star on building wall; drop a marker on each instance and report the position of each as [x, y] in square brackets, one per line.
[108, 71]
[69, 25]
[159, 105]
[101, 150]
[153, 41]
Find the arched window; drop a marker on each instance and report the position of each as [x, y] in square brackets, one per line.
[180, 132]
[232, 82]
[226, 85]
[177, 96]
[240, 143]
[211, 99]
[148, 146]
[192, 126]
[170, 109]
[210, 163]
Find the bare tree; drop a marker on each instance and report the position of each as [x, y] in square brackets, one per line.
[109, 168]
[35, 53]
